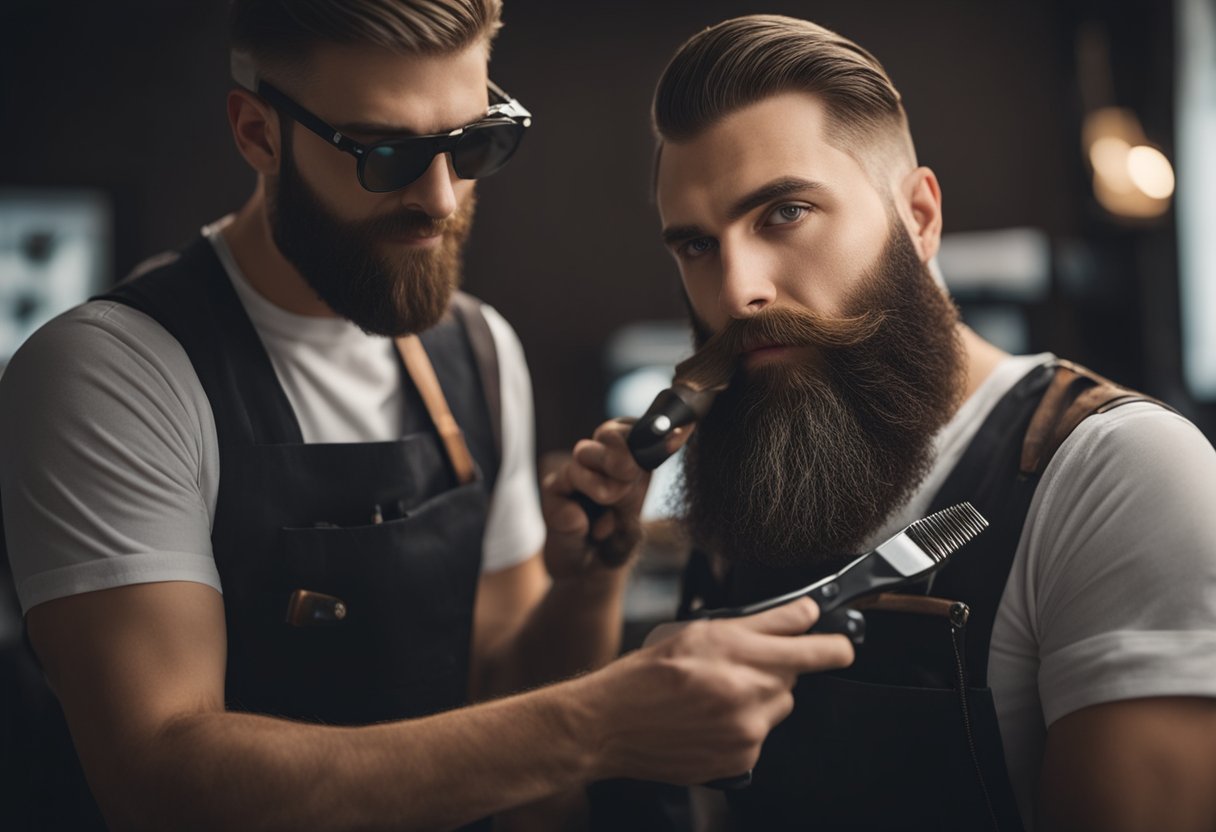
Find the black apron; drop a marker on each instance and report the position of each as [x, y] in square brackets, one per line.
[380, 531]
[906, 738]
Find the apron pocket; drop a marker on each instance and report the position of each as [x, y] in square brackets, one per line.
[406, 588]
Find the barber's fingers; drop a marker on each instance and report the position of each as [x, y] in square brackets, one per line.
[586, 474]
[562, 515]
[786, 655]
[614, 430]
[607, 453]
[776, 644]
[559, 486]
[790, 619]
[790, 656]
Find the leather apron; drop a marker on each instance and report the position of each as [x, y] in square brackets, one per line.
[374, 548]
[907, 738]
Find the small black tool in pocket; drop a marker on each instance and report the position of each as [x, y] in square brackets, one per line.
[306, 608]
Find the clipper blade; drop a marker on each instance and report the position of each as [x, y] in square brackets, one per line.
[943, 533]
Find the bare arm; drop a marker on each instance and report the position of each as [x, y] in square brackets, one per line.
[542, 621]
[139, 671]
[529, 629]
[1140, 764]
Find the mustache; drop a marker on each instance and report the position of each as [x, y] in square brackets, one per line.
[714, 364]
[411, 224]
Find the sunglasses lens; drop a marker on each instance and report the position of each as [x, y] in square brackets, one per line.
[480, 151]
[393, 165]
[484, 149]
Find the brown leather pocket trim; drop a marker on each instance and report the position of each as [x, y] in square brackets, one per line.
[915, 604]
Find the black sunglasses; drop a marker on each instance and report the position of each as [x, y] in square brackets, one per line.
[478, 149]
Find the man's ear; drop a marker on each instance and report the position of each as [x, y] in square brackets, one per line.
[920, 207]
[255, 129]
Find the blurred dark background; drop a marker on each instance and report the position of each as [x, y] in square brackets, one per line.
[126, 99]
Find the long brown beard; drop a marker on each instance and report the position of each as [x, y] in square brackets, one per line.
[798, 463]
[344, 263]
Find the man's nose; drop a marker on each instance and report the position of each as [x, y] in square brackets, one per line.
[433, 193]
[747, 282]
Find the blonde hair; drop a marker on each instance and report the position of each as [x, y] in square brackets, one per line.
[282, 33]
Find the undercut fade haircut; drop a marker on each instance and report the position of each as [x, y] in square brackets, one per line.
[280, 35]
[746, 59]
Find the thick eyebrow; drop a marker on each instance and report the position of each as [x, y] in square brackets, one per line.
[785, 186]
[778, 188]
[675, 234]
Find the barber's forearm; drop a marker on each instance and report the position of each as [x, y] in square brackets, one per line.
[576, 627]
[241, 771]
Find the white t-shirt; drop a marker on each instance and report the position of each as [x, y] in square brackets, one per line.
[1112, 591]
[109, 462]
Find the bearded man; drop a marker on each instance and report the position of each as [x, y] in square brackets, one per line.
[1082, 696]
[299, 412]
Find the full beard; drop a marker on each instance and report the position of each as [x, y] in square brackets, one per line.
[345, 262]
[800, 461]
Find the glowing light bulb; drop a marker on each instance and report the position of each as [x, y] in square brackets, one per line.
[1150, 171]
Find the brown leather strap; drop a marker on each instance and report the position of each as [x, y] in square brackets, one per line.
[1075, 394]
[418, 365]
[468, 309]
[915, 604]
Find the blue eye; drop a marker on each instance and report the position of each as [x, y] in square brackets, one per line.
[785, 214]
[698, 246]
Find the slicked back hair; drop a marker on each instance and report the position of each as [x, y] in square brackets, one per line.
[746, 59]
[281, 34]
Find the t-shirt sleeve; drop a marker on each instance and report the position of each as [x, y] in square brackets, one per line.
[515, 529]
[103, 447]
[1123, 569]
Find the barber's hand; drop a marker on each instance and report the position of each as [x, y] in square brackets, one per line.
[698, 703]
[603, 469]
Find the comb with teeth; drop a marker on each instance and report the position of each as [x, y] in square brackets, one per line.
[919, 550]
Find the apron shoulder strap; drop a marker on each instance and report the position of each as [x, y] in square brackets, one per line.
[1075, 393]
[422, 373]
[468, 310]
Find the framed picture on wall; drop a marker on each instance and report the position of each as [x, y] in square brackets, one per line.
[54, 253]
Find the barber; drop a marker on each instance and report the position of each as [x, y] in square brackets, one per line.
[271, 508]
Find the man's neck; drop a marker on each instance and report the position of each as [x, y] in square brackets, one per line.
[264, 266]
[981, 359]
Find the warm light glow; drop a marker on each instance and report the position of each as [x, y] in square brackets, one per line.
[1108, 155]
[1131, 179]
[1150, 171]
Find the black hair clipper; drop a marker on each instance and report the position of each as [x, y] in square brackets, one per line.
[676, 407]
